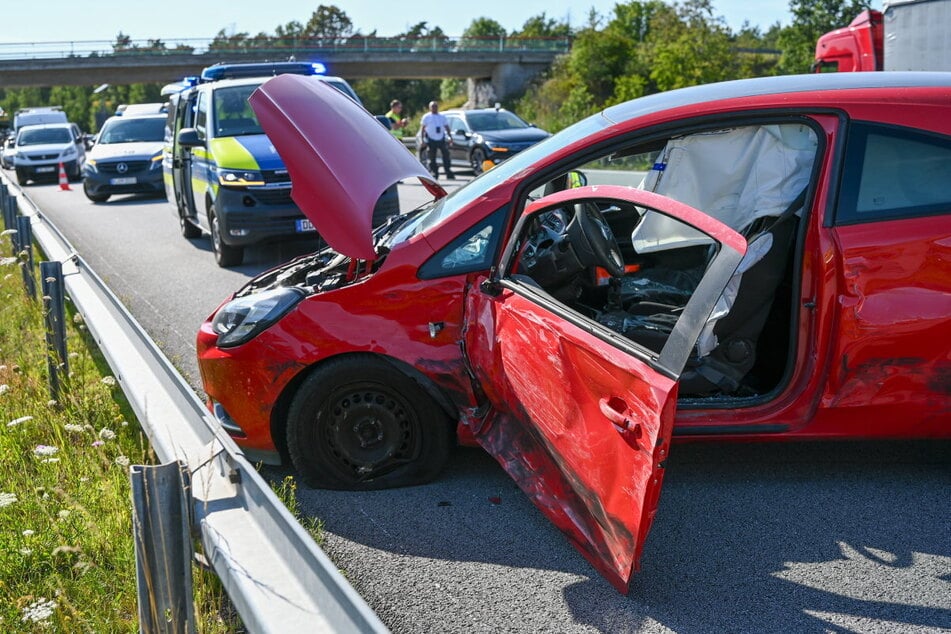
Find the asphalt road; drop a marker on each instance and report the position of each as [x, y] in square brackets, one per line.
[833, 537]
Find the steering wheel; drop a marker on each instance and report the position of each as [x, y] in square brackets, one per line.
[596, 240]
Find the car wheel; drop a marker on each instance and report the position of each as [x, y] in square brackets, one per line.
[96, 198]
[475, 160]
[360, 424]
[188, 228]
[225, 255]
[21, 178]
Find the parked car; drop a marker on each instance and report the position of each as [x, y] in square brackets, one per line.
[40, 149]
[485, 134]
[758, 260]
[126, 158]
[8, 152]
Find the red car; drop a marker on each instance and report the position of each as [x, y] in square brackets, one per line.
[766, 259]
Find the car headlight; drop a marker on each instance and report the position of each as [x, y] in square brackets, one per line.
[496, 147]
[69, 152]
[239, 178]
[90, 165]
[156, 162]
[241, 320]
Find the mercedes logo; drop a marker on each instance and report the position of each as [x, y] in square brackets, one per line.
[122, 168]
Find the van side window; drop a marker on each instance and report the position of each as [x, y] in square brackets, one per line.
[201, 115]
[873, 188]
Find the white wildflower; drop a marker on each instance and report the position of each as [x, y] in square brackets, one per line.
[108, 380]
[73, 428]
[122, 461]
[26, 551]
[39, 611]
[48, 460]
[73, 355]
[124, 423]
[28, 532]
[107, 434]
[44, 450]
[52, 403]
[19, 421]
[63, 514]
[6, 499]
[4, 388]
[8, 261]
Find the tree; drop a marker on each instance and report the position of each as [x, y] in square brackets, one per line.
[690, 48]
[328, 26]
[482, 33]
[811, 19]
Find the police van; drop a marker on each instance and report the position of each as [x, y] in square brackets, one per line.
[222, 175]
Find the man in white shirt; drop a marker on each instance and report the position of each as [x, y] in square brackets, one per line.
[436, 137]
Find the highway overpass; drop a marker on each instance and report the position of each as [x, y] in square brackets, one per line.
[505, 64]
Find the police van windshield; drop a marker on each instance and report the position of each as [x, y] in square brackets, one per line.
[233, 114]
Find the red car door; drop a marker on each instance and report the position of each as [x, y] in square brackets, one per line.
[578, 415]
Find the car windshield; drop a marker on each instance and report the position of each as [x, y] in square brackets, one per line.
[133, 130]
[459, 199]
[488, 121]
[42, 136]
[233, 114]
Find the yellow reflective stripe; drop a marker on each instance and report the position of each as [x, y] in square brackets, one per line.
[228, 153]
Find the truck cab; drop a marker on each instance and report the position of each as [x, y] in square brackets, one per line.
[857, 47]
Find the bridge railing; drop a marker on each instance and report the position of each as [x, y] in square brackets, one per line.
[281, 46]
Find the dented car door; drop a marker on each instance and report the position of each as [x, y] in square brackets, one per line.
[578, 415]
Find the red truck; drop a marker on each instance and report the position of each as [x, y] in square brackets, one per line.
[905, 35]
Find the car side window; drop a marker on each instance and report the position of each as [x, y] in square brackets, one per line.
[473, 251]
[874, 188]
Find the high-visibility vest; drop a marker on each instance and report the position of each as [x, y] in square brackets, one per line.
[394, 119]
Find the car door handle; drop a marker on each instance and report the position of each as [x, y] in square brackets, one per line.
[615, 410]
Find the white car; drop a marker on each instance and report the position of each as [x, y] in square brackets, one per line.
[40, 149]
[9, 149]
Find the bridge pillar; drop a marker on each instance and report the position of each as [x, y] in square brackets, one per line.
[506, 80]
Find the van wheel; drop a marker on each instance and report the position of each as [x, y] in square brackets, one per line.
[225, 255]
[21, 178]
[359, 424]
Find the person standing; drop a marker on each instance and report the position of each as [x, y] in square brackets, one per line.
[397, 120]
[436, 137]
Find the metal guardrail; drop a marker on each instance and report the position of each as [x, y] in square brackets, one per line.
[277, 577]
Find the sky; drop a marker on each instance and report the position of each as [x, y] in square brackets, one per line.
[170, 20]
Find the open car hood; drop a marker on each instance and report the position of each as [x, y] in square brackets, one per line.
[339, 157]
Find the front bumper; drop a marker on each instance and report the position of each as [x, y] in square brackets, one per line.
[35, 170]
[251, 216]
[106, 179]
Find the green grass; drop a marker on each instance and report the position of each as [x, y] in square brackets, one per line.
[67, 561]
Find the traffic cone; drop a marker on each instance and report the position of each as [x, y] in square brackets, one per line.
[63, 181]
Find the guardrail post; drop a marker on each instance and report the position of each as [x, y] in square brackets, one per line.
[54, 307]
[9, 212]
[161, 503]
[25, 247]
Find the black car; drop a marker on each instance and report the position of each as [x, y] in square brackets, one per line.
[486, 134]
[126, 158]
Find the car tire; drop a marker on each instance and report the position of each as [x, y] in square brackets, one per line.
[189, 229]
[21, 178]
[96, 198]
[358, 423]
[475, 160]
[225, 254]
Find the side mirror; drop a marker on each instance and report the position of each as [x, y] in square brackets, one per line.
[188, 137]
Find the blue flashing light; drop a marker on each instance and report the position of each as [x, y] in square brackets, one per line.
[263, 69]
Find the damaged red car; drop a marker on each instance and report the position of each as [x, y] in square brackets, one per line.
[762, 260]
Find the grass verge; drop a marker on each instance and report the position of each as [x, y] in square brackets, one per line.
[67, 560]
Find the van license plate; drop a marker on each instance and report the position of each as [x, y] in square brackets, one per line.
[125, 180]
[305, 225]
[48, 168]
